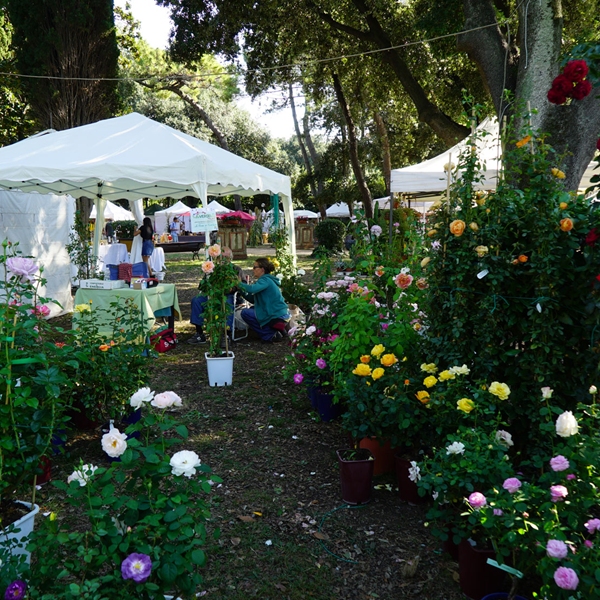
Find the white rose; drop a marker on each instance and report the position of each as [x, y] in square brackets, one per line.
[166, 400]
[82, 475]
[504, 438]
[566, 424]
[144, 394]
[184, 463]
[455, 448]
[464, 370]
[414, 473]
[547, 393]
[114, 443]
[279, 276]
[311, 330]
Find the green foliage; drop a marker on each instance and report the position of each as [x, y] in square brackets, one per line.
[295, 291]
[80, 251]
[112, 353]
[33, 381]
[124, 230]
[279, 237]
[330, 234]
[519, 270]
[137, 505]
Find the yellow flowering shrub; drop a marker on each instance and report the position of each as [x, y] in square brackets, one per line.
[362, 370]
[387, 360]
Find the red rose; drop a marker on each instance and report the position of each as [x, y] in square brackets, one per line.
[592, 237]
[556, 97]
[563, 84]
[576, 70]
[598, 144]
[581, 89]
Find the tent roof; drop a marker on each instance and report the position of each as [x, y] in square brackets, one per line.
[215, 207]
[338, 210]
[179, 208]
[430, 176]
[131, 157]
[114, 212]
[309, 214]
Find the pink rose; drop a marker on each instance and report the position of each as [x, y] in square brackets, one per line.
[571, 476]
[24, 267]
[559, 463]
[592, 525]
[512, 485]
[559, 492]
[498, 512]
[566, 578]
[556, 549]
[298, 378]
[588, 544]
[166, 400]
[403, 280]
[321, 363]
[477, 500]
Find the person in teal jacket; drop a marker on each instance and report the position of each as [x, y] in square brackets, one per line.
[270, 314]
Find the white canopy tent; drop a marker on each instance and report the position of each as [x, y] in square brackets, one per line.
[113, 212]
[430, 179]
[306, 214]
[338, 210]
[162, 218]
[215, 207]
[133, 157]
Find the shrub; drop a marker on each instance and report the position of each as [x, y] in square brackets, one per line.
[124, 229]
[330, 234]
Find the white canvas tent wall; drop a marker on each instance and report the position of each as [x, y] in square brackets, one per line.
[133, 157]
[338, 210]
[42, 231]
[162, 218]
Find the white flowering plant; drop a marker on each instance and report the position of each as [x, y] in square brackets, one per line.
[544, 519]
[145, 516]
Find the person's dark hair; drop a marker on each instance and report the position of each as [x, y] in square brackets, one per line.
[266, 264]
[146, 227]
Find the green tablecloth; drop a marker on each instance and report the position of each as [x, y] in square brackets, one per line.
[149, 301]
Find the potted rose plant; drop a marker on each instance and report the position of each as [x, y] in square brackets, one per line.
[32, 385]
[219, 279]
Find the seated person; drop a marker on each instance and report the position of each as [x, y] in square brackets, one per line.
[198, 302]
[269, 315]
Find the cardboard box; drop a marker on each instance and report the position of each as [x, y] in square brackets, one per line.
[138, 284]
[101, 284]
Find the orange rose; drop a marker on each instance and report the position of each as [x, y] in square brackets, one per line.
[566, 224]
[523, 141]
[104, 347]
[522, 258]
[457, 227]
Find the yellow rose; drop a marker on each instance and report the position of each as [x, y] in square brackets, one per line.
[457, 227]
[423, 397]
[563, 205]
[362, 370]
[81, 308]
[500, 389]
[429, 368]
[445, 375]
[465, 405]
[473, 226]
[558, 173]
[431, 232]
[425, 262]
[430, 381]
[387, 360]
[481, 251]
[378, 350]
[365, 358]
[377, 373]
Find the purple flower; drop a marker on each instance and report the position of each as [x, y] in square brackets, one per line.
[384, 326]
[588, 544]
[24, 267]
[298, 378]
[16, 590]
[556, 549]
[321, 363]
[566, 578]
[559, 463]
[512, 485]
[498, 512]
[559, 492]
[571, 476]
[592, 525]
[137, 567]
[477, 500]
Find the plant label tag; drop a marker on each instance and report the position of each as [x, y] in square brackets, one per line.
[482, 274]
[506, 568]
[538, 307]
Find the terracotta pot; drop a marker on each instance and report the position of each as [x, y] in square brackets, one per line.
[477, 578]
[384, 455]
[356, 477]
[407, 489]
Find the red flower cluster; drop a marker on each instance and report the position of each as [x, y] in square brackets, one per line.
[571, 83]
[592, 237]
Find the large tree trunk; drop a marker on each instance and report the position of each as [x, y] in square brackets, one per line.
[353, 147]
[299, 137]
[314, 157]
[386, 157]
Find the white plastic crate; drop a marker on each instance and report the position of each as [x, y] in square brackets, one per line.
[101, 284]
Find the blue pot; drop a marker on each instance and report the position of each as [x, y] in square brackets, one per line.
[328, 411]
[501, 596]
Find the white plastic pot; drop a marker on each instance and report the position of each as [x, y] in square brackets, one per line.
[220, 369]
[17, 540]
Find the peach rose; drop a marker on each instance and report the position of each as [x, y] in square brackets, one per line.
[566, 224]
[457, 227]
